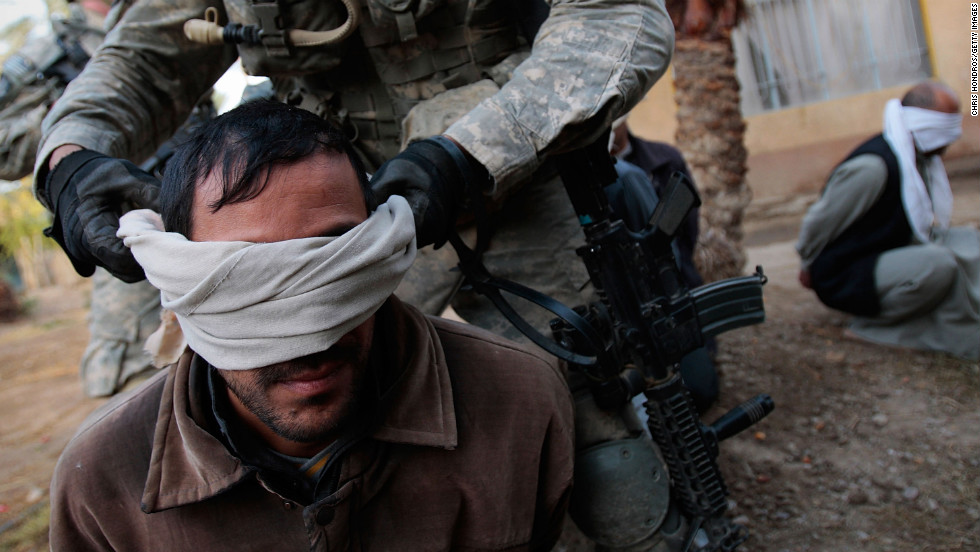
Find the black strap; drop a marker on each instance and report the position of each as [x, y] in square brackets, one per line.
[272, 34]
[483, 283]
[479, 278]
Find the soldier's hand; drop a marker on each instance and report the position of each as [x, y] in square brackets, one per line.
[88, 192]
[804, 278]
[434, 175]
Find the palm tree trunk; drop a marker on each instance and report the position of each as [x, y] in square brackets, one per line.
[710, 134]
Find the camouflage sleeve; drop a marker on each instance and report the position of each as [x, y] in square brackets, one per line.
[20, 129]
[591, 62]
[140, 85]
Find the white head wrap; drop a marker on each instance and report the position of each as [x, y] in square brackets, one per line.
[245, 305]
[904, 129]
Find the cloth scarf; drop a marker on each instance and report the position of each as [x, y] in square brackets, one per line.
[905, 128]
[245, 305]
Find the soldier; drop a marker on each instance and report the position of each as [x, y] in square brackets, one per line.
[36, 75]
[391, 74]
[122, 315]
[382, 77]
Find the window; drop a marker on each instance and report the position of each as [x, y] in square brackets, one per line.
[794, 52]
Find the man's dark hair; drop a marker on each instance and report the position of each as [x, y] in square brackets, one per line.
[249, 140]
[927, 94]
[922, 95]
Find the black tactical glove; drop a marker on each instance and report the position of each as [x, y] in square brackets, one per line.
[435, 176]
[88, 192]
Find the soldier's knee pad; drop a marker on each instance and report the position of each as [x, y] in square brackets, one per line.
[621, 493]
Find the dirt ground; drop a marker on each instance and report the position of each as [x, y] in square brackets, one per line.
[870, 448]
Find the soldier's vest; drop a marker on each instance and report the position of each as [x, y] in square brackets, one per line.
[404, 52]
[843, 273]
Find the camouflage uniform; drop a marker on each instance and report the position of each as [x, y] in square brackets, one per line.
[591, 62]
[33, 78]
[120, 319]
[122, 315]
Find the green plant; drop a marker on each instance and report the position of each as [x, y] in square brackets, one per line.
[22, 220]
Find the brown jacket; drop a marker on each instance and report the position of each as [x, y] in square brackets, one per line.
[473, 452]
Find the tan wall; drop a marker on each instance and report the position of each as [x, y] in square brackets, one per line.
[792, 150]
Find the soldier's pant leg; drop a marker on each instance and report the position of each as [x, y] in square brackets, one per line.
[120, 319]
[431, 281]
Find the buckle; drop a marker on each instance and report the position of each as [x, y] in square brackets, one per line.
[273, 33]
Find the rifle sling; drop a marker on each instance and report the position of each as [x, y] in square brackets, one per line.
[479, 278]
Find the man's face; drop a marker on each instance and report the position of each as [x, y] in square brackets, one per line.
[295, 406]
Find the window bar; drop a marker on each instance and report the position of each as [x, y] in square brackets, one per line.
[821, 70]
[872, 60]
[772, 86]
[914, 50]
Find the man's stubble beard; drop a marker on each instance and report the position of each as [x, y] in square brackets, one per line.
[253, 397]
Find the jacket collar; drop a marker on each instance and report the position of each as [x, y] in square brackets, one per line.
[418, 402]
[189, 464]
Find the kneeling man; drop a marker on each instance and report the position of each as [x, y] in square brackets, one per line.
[312, 409]
[879, 243]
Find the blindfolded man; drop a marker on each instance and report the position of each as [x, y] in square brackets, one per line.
[878, 243]
[312, 410]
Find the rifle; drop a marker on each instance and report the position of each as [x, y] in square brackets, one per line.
[629, 342]
[58, 58]
[203, 112]
[651, 321]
